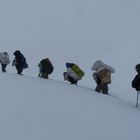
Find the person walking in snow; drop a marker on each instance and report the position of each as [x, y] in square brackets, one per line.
[19, 62]
[102, 76]
[73, 73]
[45, 68]
[4, 60]
[136, 83]
[136, 80]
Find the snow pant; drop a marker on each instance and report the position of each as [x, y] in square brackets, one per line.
[102, 88]
[70, 79]
[3, 66]
[19, 69]
[44, 75]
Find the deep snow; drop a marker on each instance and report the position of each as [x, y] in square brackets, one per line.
[35, 109]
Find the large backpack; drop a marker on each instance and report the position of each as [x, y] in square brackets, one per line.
[78, 71]
[23, 62]
[46, 66]
[104, 75]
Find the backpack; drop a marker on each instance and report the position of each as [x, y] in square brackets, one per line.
[104, 75]
[24, 63]
[46, 66]
[78, 71]
[21, 60]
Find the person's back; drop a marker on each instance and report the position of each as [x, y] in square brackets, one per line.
[136, 80]
[80, 73]
[4, 60]
[99, 64]
[102, 76]
[45, 68]
[73, 74]
[20, 61]
[70, 75]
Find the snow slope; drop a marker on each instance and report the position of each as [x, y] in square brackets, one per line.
[33, 109]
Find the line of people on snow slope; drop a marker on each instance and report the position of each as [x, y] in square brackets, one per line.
[19, 61]
[101, 71]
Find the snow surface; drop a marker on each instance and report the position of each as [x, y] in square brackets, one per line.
[79, 31]
[35, 109]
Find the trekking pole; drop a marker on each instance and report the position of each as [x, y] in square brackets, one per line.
[137, 104]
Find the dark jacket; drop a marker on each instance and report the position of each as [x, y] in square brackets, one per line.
[46, 66]
[136, 82]
[20, 59]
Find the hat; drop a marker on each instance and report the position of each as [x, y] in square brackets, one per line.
[137, 68]
[16, 52]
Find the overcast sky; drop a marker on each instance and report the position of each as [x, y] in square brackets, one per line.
[69, 23]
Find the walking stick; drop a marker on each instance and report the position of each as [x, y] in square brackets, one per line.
[137, 104]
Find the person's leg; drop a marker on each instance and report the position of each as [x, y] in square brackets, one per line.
[3, 67]
[65, 76]
[19, 70]
[44, 75]
[98, 82]
[98, 88]
[75, 82]
[105, 89]
[72, 80]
